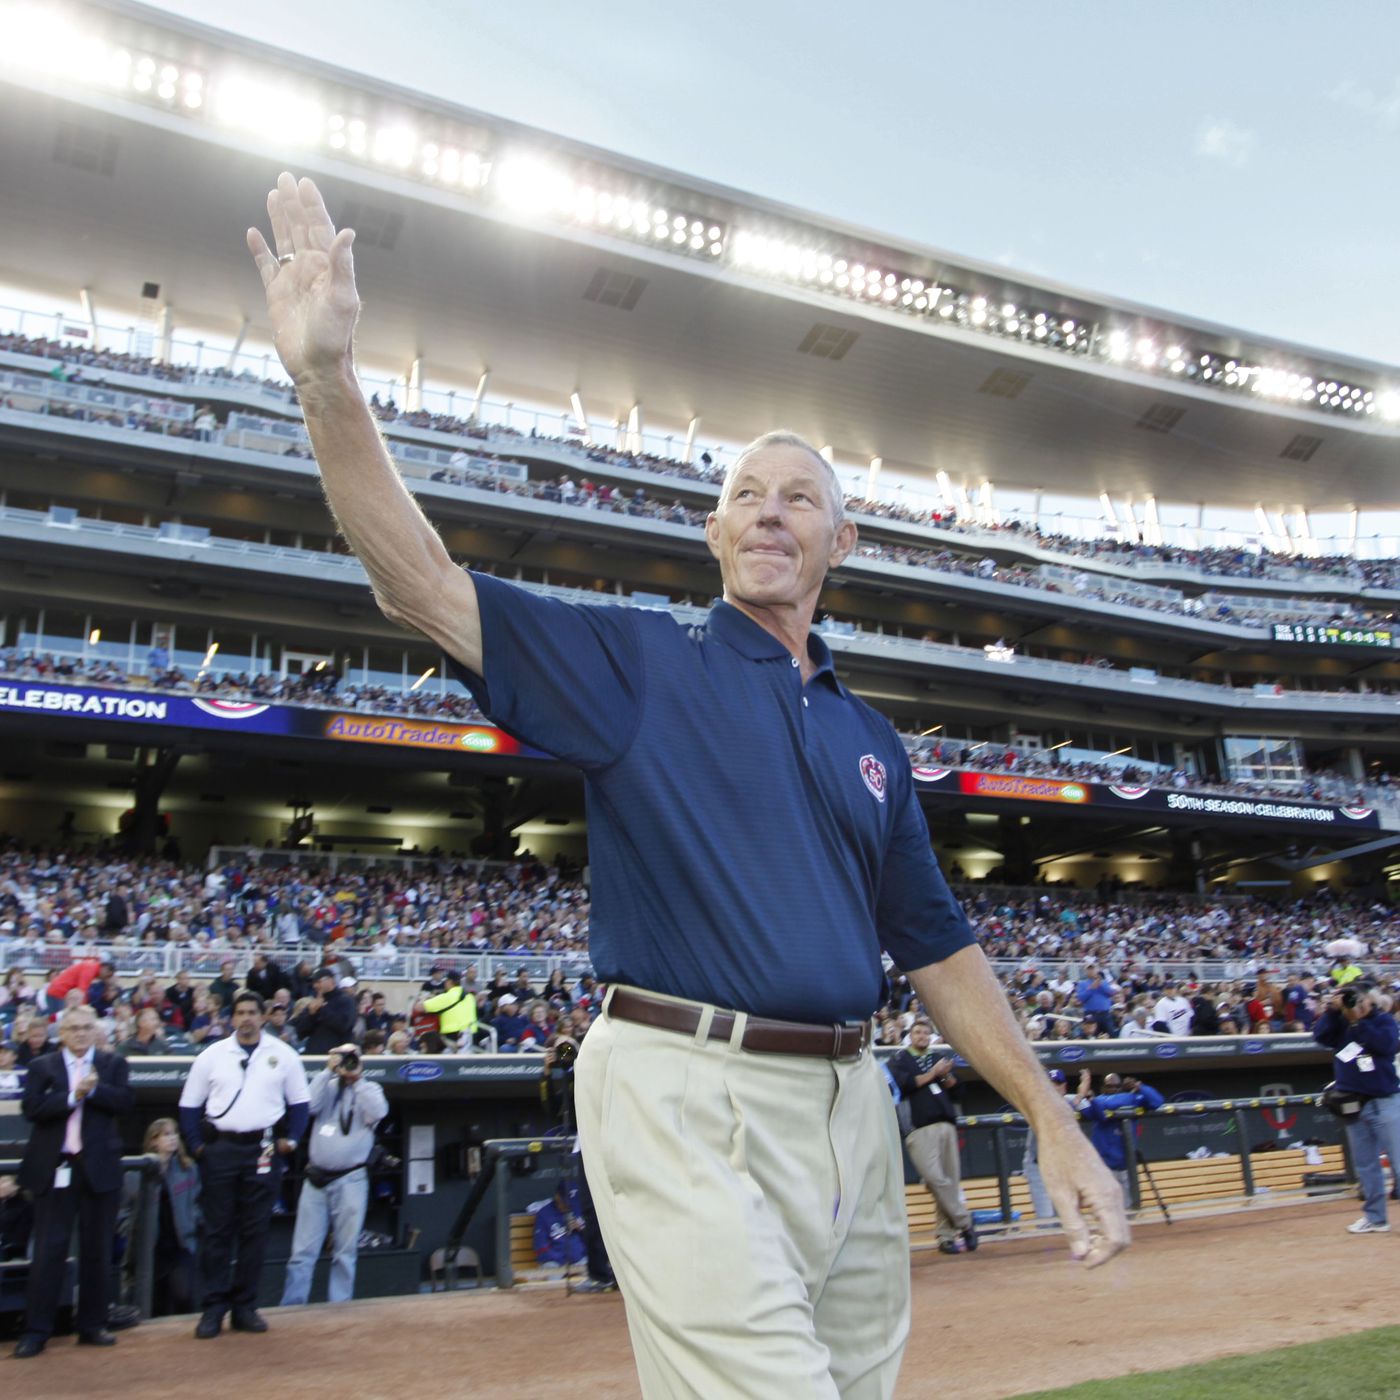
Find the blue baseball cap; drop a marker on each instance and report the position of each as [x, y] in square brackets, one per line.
[1057, 1076]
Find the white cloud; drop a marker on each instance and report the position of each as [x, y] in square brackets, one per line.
[1384, 110]
[1223, 140]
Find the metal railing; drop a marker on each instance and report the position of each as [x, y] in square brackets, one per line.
[141, 1247]
[500, 1154]
[1126, 1119]
[167, 959]
[414, 965]
[497, 1157]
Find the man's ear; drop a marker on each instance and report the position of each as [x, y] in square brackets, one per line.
[712, 532]
[842, 543]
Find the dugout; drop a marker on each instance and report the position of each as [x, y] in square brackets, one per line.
[442, 1109]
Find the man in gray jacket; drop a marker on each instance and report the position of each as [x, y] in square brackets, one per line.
[345, 1109]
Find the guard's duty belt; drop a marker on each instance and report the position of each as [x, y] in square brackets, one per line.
[220, 1135]
[761, 1035]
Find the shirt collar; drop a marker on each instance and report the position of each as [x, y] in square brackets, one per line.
[738, 631]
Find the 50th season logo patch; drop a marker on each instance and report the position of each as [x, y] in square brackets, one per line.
[872, 773]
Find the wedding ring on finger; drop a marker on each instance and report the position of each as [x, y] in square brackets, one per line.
[285, 258]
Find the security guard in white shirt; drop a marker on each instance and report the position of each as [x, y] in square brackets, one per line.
[243, 1108]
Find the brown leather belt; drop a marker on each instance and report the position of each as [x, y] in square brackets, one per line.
[765, 1037]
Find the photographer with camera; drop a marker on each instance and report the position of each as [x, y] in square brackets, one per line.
[345, 1110]
[1356, 1025]
[557, 1091]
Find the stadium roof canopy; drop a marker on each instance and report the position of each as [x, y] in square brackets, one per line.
[138, 147]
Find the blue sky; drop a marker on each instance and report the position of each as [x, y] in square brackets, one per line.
[1235, 162]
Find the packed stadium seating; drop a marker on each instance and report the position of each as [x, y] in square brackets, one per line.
[1207, 563]
[513, 925]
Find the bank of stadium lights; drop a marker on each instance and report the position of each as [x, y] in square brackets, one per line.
[44, 40]
[535, 187]
[41, 38]
[777, 257]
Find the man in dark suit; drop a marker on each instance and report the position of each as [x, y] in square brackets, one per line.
[72, 1169]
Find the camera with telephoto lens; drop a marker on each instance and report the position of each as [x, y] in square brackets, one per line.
[565, 1053]
[349, 1060]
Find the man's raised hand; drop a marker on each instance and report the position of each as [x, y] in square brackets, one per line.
[309, 281]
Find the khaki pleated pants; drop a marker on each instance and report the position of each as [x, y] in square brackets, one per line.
[753, 1209]
[934, 1152]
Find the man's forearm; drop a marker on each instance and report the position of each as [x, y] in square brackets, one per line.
[967, 1004]
[402, 553]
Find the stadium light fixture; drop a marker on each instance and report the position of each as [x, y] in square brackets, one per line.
[274, 112]
[94, 636]
[426, 674]
[1063, 744]
[923, 734]
[68, 46]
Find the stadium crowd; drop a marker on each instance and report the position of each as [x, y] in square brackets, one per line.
[324, 689]
[65, 914]
[1210, 561]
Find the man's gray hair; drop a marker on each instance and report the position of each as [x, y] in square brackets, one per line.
[69, 1012]
[782, 437]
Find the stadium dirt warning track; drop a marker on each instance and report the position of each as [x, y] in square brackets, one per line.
[1011, 1318]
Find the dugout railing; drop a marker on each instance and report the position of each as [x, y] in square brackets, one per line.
[1222, 1181]
[136, 1261]
[1190, 1182]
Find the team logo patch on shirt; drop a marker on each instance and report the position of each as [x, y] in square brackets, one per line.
[872, 773]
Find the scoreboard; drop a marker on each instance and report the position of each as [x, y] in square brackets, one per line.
[1324, 635]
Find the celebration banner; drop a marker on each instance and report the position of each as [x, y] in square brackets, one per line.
[79, 703]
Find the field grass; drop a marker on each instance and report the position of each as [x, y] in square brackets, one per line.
[1362, 1366]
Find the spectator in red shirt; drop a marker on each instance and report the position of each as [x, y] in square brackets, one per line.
[81, 974]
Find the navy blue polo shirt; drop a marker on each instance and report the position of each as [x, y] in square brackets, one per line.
[754, 841]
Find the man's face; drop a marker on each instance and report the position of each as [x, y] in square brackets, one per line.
[78, 1030]
[247, 1021]
[919, 1038]
[773, 531]
[38, 1034]
[182, 979]
[148, 1023]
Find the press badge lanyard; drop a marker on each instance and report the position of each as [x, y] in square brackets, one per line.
[345, 1112]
